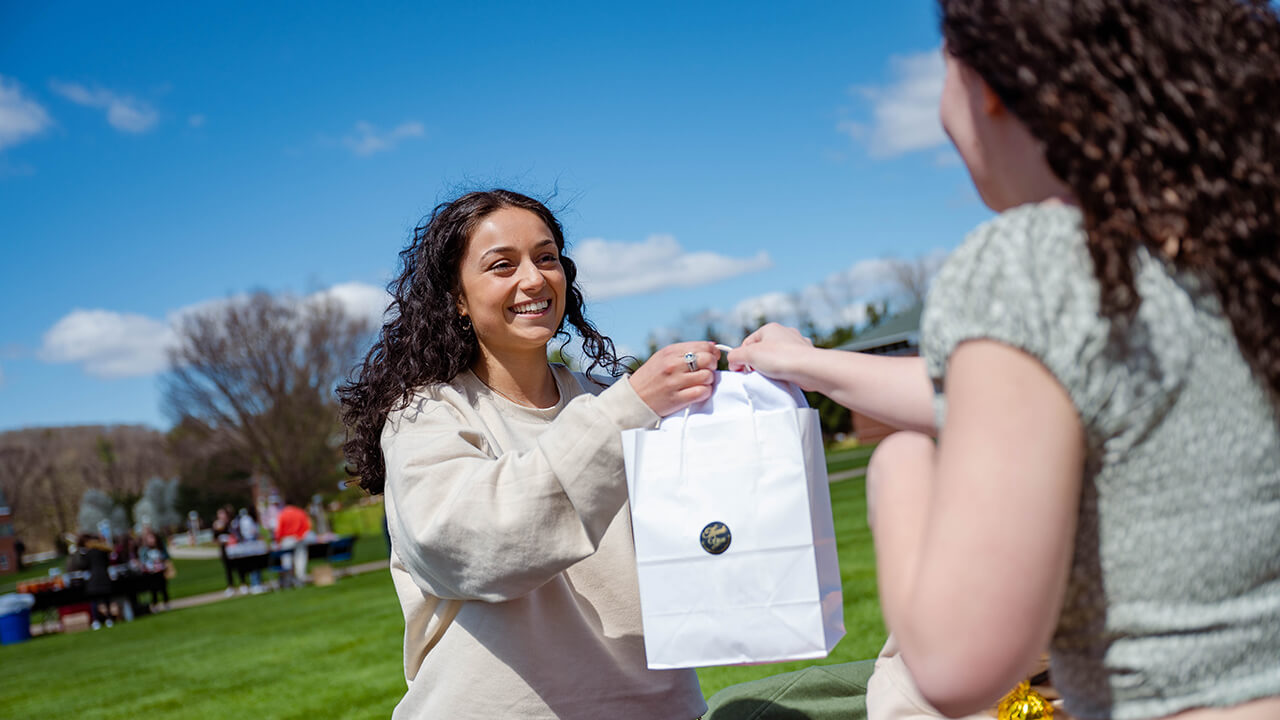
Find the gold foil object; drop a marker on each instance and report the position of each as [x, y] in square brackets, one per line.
[1023, 703]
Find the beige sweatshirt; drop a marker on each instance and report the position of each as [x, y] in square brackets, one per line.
[513, 560]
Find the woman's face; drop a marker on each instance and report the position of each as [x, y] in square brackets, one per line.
[965, 120]
[512, 283]
[1006, 163]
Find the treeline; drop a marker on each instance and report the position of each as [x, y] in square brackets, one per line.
[251, 392]
[44, 473]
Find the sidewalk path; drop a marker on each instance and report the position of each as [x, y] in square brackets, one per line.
[186, 552]
[847, 475]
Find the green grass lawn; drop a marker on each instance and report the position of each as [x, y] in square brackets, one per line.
[328, 652]
[319, 652]
[848, 459]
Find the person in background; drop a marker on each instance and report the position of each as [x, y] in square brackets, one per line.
[246, 526]
[292, 532]
[247, 552]
[155, 559]
[94, 556]
[222, 533]
[125, 550]
[245, 529]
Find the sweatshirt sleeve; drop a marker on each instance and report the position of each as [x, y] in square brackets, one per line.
[471, 525]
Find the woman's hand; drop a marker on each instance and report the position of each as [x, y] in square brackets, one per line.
[666, 384]
[776, 351]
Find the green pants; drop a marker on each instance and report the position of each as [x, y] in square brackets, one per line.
[821, 692]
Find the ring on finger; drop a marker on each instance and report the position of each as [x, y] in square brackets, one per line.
[691, 360]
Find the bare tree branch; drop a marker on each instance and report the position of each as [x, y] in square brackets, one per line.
[913, 277]
[261, 371]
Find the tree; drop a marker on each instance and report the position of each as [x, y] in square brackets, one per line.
[259, 372]
[212, 472]
[41, 490]
[876, 314]
[912, 278]
[22, 465]
[95, 507]
[157, 507]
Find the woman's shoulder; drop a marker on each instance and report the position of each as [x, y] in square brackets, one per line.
[1015, 260]
[440, 400]
[1041, 234]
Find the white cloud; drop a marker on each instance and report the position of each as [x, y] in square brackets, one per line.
[124, 113]
[368, 139]
[359, 300]
[109, 344]
[840, 299]
[196, 120]
[905, 112]
[612, 269]
[21, 118]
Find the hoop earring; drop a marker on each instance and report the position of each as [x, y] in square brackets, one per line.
[465, 322]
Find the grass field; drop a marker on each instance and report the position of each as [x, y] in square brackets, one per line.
[319, 652]
[331, 652]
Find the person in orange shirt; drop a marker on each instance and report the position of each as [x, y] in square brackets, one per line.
[293, 528]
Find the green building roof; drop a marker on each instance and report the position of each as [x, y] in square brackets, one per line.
[903, 327]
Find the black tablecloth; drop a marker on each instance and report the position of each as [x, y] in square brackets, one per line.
[128, 585]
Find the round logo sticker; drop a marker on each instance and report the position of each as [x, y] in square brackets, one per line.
[716, 538]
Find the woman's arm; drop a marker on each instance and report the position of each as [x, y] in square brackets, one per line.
[468, 525]
[894, 390]
[974, 539]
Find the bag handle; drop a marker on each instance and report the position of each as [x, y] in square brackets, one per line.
[684, 428]
[755, 432]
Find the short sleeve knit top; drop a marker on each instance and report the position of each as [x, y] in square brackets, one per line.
[1173, 600]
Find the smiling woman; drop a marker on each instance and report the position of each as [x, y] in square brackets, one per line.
[505, 490]
[513, 294]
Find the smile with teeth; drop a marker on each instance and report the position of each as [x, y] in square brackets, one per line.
[536, 307]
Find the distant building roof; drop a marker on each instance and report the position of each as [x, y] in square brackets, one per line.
[901, 329]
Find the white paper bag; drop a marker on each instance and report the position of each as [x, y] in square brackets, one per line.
[731, 515]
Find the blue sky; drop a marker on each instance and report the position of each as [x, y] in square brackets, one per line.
[712, 160]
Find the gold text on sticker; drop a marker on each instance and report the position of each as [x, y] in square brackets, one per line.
[716, 538]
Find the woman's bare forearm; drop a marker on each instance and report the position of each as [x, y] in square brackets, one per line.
[894, 390]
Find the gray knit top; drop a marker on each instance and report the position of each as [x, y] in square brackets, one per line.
[1173, 600]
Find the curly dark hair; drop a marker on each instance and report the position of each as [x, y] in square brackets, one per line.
[1163, 117]
[425, 341]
